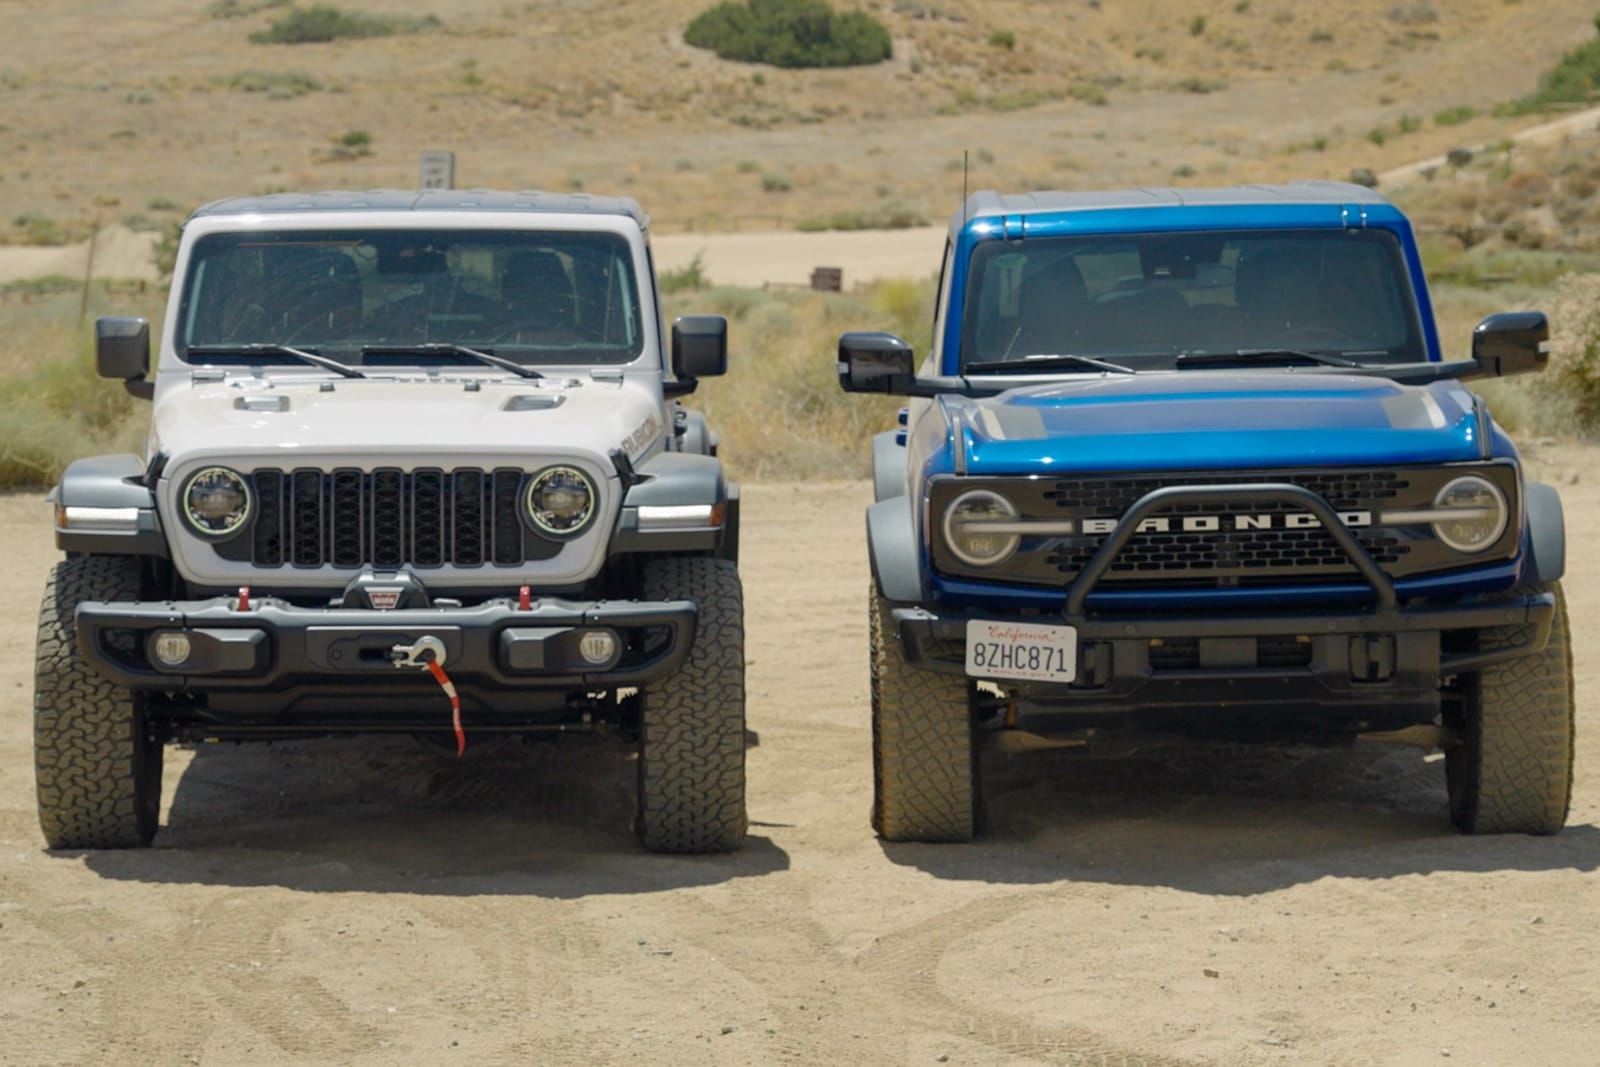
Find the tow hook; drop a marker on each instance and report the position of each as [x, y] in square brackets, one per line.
[427, 652]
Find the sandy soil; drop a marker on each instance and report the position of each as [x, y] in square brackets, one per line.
[371, 902]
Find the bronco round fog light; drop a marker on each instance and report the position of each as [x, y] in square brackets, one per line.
[1483, 514]
[965, 522]
[598, 647]
[560, 501]
[171, 649]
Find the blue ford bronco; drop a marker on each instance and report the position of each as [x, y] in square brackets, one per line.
[1188, 465]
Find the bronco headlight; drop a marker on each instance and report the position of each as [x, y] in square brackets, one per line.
[1482, 509]
[216, 502]
[971, 528]
[560, 501]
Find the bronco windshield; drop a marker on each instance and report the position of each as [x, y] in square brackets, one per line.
[1142, 300]
[533, 297]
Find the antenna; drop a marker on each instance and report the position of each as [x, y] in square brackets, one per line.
[963, 188]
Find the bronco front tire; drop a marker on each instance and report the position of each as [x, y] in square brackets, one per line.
[1511, 773]
[691, 723]
[925, 775]
[96, 764]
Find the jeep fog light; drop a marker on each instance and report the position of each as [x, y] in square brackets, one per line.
[970, 528]
[171, 649]
[598, 647]
[1483, 512]
[216, 502]
[560, 501]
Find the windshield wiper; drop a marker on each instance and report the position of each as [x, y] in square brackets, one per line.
[1244, 356]
[268, 349]
[435, 347]
[1036, 364]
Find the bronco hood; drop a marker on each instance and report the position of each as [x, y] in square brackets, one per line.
[1190, 420]
[291, 422]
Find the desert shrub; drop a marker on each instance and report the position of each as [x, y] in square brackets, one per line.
[323, 22]
[789, 33]
[276, 84]
[39, 229]
[775, 183]
[1574, 371]
[1003, 39]
[1454, 116]
[1573, 80]
[889, 215]
[687, 278]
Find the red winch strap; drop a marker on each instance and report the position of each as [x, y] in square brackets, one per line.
[449, 688]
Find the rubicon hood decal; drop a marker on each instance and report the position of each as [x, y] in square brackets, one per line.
[1190, 419]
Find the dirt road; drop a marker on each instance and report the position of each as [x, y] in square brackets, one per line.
[369, 902]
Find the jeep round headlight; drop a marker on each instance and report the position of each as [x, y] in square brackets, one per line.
[216, 502]
[965, 522]
[560, 501]
[1483, 514]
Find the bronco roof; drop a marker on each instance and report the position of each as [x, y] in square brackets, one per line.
[428, 200]
[989, 204]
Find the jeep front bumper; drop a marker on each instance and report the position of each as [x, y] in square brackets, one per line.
[274, 645]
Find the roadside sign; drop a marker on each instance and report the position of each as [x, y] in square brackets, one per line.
[438, 170]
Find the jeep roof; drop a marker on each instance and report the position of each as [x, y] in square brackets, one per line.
[529, 200]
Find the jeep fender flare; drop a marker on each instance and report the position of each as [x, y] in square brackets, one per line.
[118, 514]
[1547, 535]
[678, 480]
[888, 465]
[893, 552]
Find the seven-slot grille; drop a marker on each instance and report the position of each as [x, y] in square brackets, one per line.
[466, 517]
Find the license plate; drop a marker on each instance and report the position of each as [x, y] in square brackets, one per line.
[1023, 651]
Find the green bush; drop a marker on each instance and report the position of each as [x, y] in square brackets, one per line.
[323, 22]
[1454, 116]
[789, 33]
[1573, 80]
[687, 278]
[276, 84]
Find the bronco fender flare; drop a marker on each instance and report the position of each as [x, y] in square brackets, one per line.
[888, 465]
[1547, 535]
[893, 551]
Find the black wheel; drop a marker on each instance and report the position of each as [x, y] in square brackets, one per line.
[691, 723]
[925, 774]
[96, 763]
[1511, 773]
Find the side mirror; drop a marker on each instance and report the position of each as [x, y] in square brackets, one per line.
[699, 346]
[122, 352]
[1513, 342]
[875, 363]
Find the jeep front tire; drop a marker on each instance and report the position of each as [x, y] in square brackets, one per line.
[925, 775]
[96, 765]
[1511, 772]
[691, 723]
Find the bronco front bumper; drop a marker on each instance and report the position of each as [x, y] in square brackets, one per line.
[222, 644]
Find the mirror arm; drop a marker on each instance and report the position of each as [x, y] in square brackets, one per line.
[679, 387]
[140, 388]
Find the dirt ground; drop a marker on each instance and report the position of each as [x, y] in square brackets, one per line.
[372, 902]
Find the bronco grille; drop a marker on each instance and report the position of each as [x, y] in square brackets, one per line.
[1294, 551]
[464, 517]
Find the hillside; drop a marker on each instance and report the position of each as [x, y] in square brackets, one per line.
[123, 111]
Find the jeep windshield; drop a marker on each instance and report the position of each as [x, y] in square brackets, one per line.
[410, 297]
[1257, 298]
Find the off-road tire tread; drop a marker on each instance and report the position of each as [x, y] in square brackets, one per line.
[691, 723]
[924, 772]
[98, 775]
[1514, 769]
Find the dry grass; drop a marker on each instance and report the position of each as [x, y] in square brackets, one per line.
[1082, 95]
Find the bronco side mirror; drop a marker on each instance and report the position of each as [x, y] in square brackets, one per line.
[1513, 342]
[122, 351]
[875, 363]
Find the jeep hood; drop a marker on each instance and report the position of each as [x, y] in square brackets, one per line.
[1191, 420]
[404, 420]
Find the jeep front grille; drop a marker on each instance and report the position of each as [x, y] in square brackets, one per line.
[464, 517]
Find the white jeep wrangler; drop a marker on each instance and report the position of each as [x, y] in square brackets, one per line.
[416, 464]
